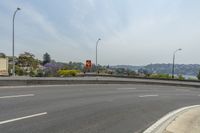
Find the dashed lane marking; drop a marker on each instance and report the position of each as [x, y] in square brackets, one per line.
[148, 96]
[16, 96]
[21, 118]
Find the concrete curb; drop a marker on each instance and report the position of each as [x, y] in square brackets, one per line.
[161, 124]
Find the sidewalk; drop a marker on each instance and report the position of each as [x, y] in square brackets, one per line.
[183, 120]
[187, 122]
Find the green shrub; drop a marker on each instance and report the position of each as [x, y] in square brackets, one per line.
[66, 73]
[32, 73]
[191, 78]
[180, 77]
[166, 76]
[19, 71]
[198, 76]
[39, 73]
[160, 76]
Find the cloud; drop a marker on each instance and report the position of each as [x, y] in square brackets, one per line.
[47, 26]
[132, 32]
[92, 3]
[35, 32]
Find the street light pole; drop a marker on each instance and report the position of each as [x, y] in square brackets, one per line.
[96, 54]
[174, 61]
[13, 42]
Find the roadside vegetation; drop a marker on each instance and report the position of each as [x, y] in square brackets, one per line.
[198, 76]
[28, 65]
[160, 76]
[67, 73]
[165, 76]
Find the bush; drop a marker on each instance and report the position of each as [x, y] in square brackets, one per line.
[19, 71]
[166, 76]
[192, 79]
[39, 73]
[160, 76]
[180, 77]
[198, 76]
[66, 73]
[31, 73]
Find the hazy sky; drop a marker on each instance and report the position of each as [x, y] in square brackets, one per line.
[135, 32]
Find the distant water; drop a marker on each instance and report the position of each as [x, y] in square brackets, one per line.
[190, 76]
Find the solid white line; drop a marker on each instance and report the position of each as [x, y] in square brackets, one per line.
[42, 86]
[126, 88]
[30, 86]
[148, 96]
[21, 118]
[15, 96]
[155, 126]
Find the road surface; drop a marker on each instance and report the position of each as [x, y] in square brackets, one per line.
[89, 108]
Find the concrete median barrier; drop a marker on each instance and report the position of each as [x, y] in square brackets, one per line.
[91, 80]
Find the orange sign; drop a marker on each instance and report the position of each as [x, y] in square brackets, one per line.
[88, 64]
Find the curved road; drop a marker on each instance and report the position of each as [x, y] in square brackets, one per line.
[89, 108]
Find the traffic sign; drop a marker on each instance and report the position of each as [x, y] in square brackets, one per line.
[88, 64]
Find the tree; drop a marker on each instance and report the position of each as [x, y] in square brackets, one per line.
[50, 69]
[2, 55]
[27, 62]
[46, 58]
[198, 76]
[27, 59]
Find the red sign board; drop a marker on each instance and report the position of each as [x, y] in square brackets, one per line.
[88, 64]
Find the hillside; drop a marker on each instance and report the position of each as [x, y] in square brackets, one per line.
[183, 69]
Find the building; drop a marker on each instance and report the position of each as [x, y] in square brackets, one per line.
[3, 65]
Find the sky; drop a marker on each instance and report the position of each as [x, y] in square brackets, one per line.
[132, 32]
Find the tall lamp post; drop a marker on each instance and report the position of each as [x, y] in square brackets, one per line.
[96, 54]
[13, 42]
[174, 61]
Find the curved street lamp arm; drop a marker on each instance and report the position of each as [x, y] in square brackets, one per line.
[13, 41]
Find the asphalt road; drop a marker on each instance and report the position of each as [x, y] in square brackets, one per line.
[89, 108]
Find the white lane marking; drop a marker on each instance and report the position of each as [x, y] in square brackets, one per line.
[43, 86]
[148, 95]
[126, 88]
[21, 118]
[160, 122]
[15, 96]
[31, 86]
